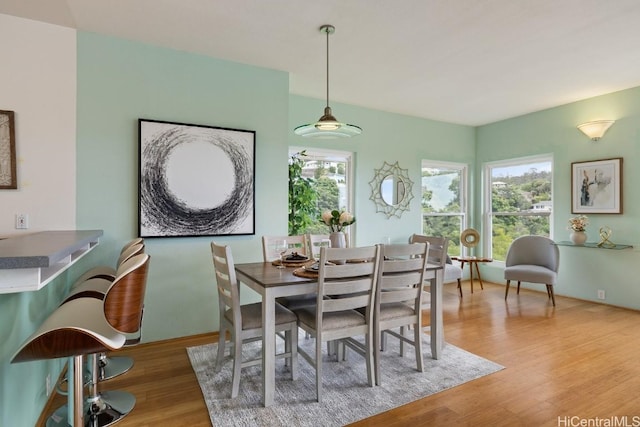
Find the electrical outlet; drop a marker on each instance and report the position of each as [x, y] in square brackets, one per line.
[47, 384]
[601, 294]
[22, 221]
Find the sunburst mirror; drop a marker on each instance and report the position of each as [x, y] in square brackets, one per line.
[391, 190]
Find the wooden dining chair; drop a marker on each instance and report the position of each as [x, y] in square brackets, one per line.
[438, 247]
[342, 290]
[398, 302]
[295, 244]
[244, 322]
[315, 242]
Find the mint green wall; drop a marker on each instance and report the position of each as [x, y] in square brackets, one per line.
[120, 81]
[386, 137]
[582, 271]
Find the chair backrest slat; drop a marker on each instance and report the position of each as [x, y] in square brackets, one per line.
[438, 247]
[226, 282]
[401, 273]
[294, 244]
[315, 242]
[347, 286]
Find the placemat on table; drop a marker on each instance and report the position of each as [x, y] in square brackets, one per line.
[292, 263]
[306, 273]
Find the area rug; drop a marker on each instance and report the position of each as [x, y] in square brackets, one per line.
[346, 396]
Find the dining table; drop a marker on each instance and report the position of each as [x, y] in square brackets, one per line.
[272, 282]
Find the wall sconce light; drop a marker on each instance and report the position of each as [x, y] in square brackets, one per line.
[596, 129]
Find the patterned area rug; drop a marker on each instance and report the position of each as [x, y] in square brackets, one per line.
[346, 395]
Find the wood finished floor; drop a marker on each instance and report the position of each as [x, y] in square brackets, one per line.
[579, 359]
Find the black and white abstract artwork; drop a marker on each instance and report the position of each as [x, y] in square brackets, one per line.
[195, 180]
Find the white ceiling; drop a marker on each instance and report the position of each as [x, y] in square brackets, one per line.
[461, 61]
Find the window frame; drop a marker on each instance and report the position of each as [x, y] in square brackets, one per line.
[329, 155]
[487, 193]
[463, 168]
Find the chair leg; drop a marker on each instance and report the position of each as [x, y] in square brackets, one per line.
[113, 366]
[460, 288]
[369, 355]
[518, 287]
[293, 349]
[506, 289]
[377, 338]
[237, 365]
[550, 290]
[221, 343]
[318, 369]
[106, 407]
[417, 343]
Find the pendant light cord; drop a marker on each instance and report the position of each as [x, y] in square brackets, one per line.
[327, 30]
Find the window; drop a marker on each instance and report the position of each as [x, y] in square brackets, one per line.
[518, 192]
[319, 180]
[444, 201]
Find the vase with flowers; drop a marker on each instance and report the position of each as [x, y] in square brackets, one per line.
[578, 226]
[337, 221]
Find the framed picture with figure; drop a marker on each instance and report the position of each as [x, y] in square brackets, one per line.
[195, 180]
[596, 186]
[8, 177]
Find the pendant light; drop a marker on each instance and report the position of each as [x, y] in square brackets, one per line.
[327, 126]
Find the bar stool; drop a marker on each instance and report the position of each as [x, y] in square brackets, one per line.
[108, 367]
[87, 326]
[129, 249]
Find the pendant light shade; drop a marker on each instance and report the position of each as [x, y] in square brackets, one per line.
[327, 126]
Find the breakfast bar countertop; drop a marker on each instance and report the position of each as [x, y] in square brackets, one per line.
[29, 262]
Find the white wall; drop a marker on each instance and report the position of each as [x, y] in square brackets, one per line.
[38, 83]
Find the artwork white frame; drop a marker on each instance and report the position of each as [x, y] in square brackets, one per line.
[195, 180]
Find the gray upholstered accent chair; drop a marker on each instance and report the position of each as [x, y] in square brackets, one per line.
[244, 322]
[533, 259]
[343, 288]
[399, 299]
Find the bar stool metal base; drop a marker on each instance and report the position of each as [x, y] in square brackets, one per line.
[108, 408]
[112, 366]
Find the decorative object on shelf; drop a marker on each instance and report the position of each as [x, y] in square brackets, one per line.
[327, 126]
[391, 190]
[578, 237]
[596, 186]
[578, 225]
[596, 129]
[605, 234]
[195, 180]
[8, 176]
